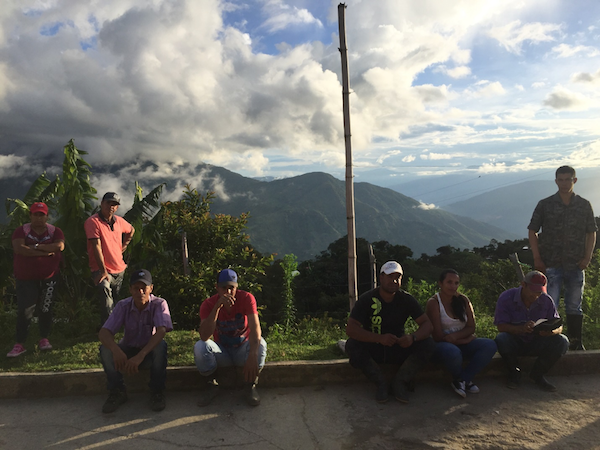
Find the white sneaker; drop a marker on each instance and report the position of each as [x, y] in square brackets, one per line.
[459, 388]
[471, 388]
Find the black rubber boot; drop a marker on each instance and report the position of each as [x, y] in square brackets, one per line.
[374, 374]
[574, 326]
[514, 372]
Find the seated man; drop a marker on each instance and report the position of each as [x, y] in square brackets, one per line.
[146, 319]
[517, 311]
[376, 331]
[231, 317]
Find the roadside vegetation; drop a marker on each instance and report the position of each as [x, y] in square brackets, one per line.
[303, 305]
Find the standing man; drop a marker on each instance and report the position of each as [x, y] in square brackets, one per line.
[517, 311]
[108, 236]
[145, 319]
[565, 247]
[376, 331]
[37, 248]
[231, 318]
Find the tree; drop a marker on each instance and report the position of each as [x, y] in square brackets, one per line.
[215, 242]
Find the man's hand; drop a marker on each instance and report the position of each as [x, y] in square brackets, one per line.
[528, 327]
[584, 263]
[450, 338]
[133, 363]
[388, 339]
[101, 276]
[120, 359]
[227, 300]
[251, 368]
[406, 340]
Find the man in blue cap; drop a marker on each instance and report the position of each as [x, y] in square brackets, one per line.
[231, 318]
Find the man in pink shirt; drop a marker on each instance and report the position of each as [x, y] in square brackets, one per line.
[108, 236]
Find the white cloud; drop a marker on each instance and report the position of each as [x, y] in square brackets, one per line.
[512, 35]
[282, 16]
[519, 87]
[564, 99]
[485, 89]
[409, 158]
[538, 84]
[426, 206]
[566, 50]
[435, 156]
[454, 72]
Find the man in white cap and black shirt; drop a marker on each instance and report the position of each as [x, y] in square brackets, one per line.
[145, 319]
[377, 336]
[517, 312]
[107, 238]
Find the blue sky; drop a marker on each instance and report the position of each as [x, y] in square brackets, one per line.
[441, 90]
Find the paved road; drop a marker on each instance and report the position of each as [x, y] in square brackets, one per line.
[329, 417]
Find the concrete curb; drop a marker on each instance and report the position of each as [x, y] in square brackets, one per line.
[275, 374]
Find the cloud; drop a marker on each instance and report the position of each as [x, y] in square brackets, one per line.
[512, 35]
[455, 72]
[567, 51]
[564, 99]
[425, 206]
[282, 16]
[435, 156]
[584, 77]
[409, 158]
[484, 89]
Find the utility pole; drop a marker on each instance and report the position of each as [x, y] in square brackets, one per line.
[352, 282]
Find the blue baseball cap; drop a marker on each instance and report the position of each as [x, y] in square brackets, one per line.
[141, 275]
[227, 277]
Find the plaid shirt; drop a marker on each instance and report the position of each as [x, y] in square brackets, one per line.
[564, 227]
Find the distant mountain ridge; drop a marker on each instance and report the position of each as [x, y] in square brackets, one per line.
[510, 208]
[304, 214]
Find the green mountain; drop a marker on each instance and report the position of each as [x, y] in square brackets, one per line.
[304, 214]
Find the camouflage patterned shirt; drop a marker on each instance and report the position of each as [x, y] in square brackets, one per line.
[562, 240]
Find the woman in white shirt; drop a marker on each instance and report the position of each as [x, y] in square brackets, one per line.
[453, 319]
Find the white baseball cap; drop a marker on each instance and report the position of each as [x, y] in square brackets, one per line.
[391, 267]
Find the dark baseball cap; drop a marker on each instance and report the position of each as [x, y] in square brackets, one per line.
[112, 197]
[141, 275]
[227, 277]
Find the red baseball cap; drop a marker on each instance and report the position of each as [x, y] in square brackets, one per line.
[39, 207]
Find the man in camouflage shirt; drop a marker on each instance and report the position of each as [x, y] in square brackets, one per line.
[565, 246]
[377, 335]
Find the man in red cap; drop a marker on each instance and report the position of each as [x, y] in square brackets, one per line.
[518, 310]
[37, 248]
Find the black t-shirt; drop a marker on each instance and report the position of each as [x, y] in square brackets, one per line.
[381, 317]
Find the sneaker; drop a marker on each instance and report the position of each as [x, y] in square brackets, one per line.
[17, 350]
[116, 398]
[45, 344]
[158, 401]
[471, 388]
[459, 387]
[400, 391]
[208, 395]
[251, 394]
[514, 379]
[544, 384]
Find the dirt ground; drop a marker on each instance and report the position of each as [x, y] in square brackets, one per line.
[326, 417]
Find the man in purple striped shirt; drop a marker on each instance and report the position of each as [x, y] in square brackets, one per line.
[146, 319]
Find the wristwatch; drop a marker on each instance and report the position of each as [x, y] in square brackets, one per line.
[36, 245]
[414, 338]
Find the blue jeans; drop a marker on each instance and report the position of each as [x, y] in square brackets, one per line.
[479, 352]
[548, 349]
[208, 355]
[156, 361]
[573, 282]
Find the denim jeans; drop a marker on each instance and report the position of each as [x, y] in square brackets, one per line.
[573, 282]
[548, 349]
[208, 355]
[106, 291]
[156, 361]
[479, 352]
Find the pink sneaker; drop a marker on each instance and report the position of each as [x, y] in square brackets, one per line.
[17, 350]
[44, 344]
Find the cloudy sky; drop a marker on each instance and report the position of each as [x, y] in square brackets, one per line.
[438, 86]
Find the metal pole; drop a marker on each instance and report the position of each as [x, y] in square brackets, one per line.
[373, 264]
[184, 251]
[352, 282]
